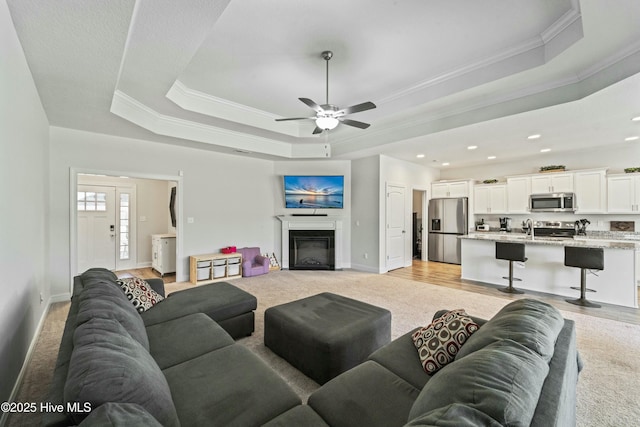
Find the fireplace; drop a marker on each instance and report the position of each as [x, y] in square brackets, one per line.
[312, 250]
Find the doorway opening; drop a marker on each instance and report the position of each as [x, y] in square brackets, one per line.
[418, 224]
[114, 215]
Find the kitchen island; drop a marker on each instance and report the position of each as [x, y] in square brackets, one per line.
[545, 271]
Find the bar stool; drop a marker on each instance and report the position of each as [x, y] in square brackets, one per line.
[510, 252]
[584, 259]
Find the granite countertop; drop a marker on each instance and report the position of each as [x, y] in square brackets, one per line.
[582, 241]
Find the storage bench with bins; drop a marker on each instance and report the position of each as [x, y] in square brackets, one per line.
[209, 268]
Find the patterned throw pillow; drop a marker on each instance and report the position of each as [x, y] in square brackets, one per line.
[140, 293]
[439, 342]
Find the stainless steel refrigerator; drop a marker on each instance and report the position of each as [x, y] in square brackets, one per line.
[447, 221]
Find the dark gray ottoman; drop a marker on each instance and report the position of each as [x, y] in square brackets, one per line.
[326, 334]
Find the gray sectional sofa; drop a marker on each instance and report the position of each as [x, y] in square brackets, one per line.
[520, 368]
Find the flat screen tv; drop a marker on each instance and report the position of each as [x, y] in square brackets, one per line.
[314, 191]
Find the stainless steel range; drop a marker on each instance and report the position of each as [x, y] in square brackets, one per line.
[560, 229]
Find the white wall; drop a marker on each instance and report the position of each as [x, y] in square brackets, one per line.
[230, 198]
[313, 167]
[365, 219]
[24, 134]
[616, 157]
[412, 177]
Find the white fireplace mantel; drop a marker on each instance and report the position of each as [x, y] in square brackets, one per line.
[315, 222]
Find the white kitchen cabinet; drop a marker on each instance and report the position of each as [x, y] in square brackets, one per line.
[450, 189]
[552, 183]
[623, 193]
[591, 191]
[490, 199]
[518, 191]
[163, 250]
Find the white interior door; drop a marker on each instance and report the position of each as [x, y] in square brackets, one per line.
[396, 228]
[96, 227]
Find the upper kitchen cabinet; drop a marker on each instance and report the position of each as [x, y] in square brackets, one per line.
[518, 191]
[552, 183]
[623, 193]
[450, 189]
[490, 199]
[591, 191]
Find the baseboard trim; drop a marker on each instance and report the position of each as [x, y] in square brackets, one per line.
[60, 298]
[366, 268]
[27, 359]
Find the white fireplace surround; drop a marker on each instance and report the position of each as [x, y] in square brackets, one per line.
[290, 222]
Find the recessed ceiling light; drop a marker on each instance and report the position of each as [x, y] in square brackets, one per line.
[636, 119]
[545, 150]
[491, 157]
[420, 156]
[445, 164]
[632, 138]
[534, 136]
[472, 147]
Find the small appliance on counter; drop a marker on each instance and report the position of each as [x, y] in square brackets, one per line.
[505, 224]
[481, 226]
[580, 226]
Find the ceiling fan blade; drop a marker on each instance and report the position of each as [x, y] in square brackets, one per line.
[356, 108]
[312, 105]
[295, 118]
[355, 123]
[317, 130]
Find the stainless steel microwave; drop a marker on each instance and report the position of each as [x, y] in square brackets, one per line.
[552, 202]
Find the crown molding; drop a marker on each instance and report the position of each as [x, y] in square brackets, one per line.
[199, 102]
[136, 112]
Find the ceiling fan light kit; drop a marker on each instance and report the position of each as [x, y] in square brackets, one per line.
[329, 116]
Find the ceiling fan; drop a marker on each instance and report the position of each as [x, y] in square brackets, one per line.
[328, 116]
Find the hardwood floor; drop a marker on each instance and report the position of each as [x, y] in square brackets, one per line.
[448, 275]
[145, 273]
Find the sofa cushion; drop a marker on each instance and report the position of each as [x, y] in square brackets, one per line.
[367, 395]
[530, 322]
[107, 365]
[401, 358]
[220, 301]
[141, 295]
[228, 387]
[119, 415]
[185, 338]
[301, 415]
[502, 380]
[439, 342]
[103, 300]
[454, 415]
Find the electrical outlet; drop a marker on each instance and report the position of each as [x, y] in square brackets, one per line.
[41, 298]
[366, 255]
[190, 220]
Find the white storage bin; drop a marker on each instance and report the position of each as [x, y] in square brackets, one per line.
[217, 262]
[218, 270]
[204, 272]
[234, 269]
[234, 260]
[204, 264]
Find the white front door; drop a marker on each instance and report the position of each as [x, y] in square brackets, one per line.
[96, 227]
[396, 229]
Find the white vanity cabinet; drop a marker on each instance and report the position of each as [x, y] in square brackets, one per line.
[163, 253]
[490, 199]
[554, 182]
[623, 193]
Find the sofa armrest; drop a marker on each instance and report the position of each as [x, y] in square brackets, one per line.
[157, 285]
[262, 260]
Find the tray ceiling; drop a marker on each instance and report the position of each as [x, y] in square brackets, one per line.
[215, 74]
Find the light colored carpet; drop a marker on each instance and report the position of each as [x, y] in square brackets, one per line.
[606, 389]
